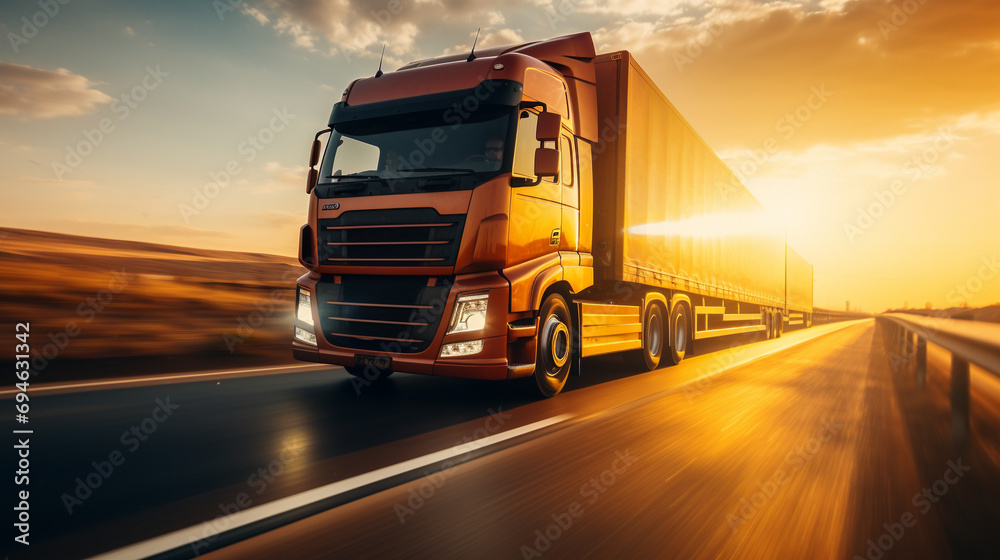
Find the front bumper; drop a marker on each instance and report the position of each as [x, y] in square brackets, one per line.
[490, 363]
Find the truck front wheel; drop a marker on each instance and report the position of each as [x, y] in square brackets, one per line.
[555, 345]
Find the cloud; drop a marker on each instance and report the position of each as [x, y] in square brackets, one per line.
[499, 38]
[33, 93]
[52, 182]
[284, 176]
[360, 27]
[738, 67]
[734, 68]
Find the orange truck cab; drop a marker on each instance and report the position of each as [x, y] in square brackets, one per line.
[451, 226]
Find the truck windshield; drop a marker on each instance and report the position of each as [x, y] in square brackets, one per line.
[417, 145]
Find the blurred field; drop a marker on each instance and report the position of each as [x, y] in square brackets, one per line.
[96, 304]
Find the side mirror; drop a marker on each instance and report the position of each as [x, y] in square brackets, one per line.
[546, 161]
[314, 154]
[549, 126]
[311, 179]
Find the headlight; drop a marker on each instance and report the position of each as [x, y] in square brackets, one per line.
[305, 336]
[304, 312]
[461, 348]
[469, 314]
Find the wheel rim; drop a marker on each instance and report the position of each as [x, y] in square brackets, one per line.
[680, 333]
[654, 331]
[556, 336]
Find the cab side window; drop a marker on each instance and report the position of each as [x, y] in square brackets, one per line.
[566, 166]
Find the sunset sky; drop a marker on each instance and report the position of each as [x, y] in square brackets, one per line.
[872, 126]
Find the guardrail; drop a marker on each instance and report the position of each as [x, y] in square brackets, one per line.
[968, 341]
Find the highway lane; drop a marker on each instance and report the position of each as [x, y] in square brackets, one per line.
[185, 450]
[801, 454]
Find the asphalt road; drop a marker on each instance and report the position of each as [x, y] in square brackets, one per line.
[805, 451]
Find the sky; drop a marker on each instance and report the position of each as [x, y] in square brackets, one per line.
[871, 126]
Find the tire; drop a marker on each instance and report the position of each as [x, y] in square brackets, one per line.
[768, 325]
[680, 332]
[554, 354]
[780, 322]
[648, 357]
[374, 375]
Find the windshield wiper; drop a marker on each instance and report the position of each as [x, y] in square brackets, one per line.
[366, 177]
[439, 169]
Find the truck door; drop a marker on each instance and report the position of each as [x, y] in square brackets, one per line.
[569, 191]
[536, 211]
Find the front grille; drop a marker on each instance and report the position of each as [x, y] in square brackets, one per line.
[390, 237]
[382, 313]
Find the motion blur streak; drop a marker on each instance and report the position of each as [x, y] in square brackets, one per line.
[824, 414]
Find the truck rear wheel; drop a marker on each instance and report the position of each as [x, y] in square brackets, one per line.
[768, 329]
[653, 340]
[779, 324]
[680, 332]
[555, 345]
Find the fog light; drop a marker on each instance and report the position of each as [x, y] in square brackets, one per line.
[466, 348]
[304, 312]
[305, 336]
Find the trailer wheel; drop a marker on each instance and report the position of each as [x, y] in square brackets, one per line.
[680, 332]
[780, 324]
[555, 345]
[766, 319]
[648, 357]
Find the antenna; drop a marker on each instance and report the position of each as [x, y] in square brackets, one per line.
[379, 73]
[472, 55]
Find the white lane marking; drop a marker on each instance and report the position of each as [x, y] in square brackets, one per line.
[207, 530]
[43, 388]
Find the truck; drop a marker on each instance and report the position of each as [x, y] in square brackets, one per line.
[503, 214]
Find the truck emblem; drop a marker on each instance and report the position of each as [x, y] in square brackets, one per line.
[332, 206]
